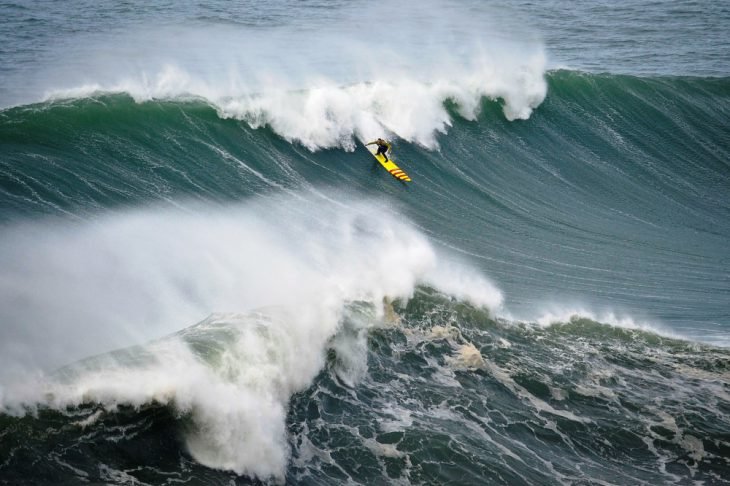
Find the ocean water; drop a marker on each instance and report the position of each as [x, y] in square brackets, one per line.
[206, 279]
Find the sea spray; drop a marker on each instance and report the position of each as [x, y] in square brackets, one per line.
[325, 87]
[327, 114]
[133, 275]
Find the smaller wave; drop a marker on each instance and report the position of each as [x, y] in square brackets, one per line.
[138, 274]
[569, 316]
[232, 377]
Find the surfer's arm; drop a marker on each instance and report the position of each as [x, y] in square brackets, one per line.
[371, 143]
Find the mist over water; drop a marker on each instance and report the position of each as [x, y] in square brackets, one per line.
[326, 85]
[71, 289]
[76, 289]
[313, 47]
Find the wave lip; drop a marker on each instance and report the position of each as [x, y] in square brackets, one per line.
[323, 85]
[326, 114]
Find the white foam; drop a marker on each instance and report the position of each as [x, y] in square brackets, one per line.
[73, 289]
[456, 278]
[327, 86]
[328, 114]
[561, 314]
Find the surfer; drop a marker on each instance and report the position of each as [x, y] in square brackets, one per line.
[383, 147]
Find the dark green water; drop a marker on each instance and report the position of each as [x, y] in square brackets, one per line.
[577, 402]
[615, 192]
[603, 217]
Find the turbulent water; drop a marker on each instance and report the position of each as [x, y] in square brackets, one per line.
[205, 278]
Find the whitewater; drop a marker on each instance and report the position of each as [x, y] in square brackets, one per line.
[205, 278]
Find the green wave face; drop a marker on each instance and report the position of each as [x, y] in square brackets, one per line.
[598, 354]
[612, 192]
[664, 136]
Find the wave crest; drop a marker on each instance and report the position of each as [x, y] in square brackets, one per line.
[326, 114]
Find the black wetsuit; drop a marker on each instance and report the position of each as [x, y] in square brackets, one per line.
[383, 149]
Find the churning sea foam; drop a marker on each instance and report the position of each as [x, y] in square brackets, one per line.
[274, 275]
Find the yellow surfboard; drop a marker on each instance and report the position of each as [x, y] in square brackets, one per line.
[390, 166]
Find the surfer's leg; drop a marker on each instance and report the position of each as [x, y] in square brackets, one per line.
[383, 151]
